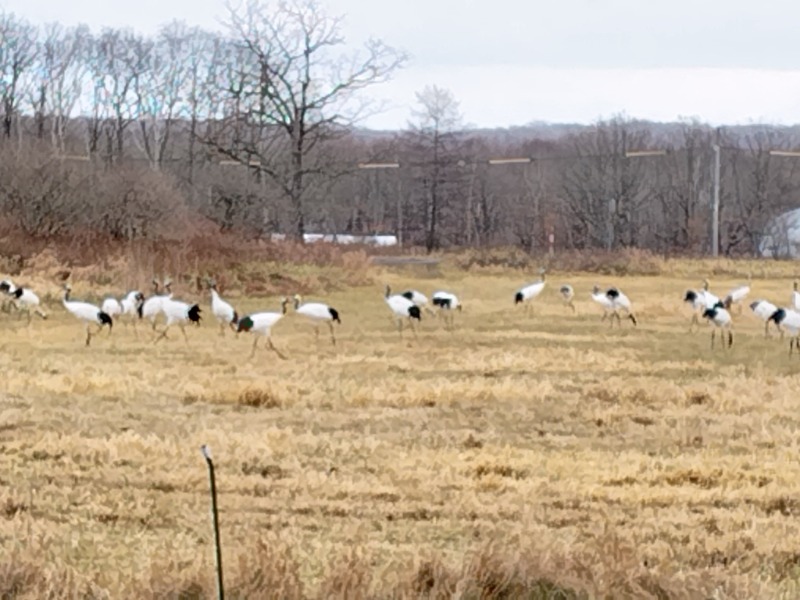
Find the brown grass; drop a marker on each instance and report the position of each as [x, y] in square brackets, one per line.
[542, 456]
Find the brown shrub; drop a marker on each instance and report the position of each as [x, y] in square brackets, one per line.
[622, 262]
[268, 570]
[259, 398]
[349, 577]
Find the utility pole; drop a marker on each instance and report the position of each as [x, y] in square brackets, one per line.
[715, 216]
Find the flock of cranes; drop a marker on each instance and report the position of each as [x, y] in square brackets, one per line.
[717, 311]
[407, 306]
[134, 307]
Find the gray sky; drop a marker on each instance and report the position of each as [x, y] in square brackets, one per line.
[510, 62]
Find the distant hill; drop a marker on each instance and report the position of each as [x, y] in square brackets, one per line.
[550, 132]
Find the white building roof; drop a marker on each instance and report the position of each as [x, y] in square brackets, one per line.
[782, 236]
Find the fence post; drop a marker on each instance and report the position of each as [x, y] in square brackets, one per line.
[215, 519]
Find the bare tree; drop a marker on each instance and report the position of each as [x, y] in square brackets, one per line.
[59, 72]
[683, 189]
[605, 190]
[119, 58]
[763, 186]
[17, 54]
[160, 87]
[296, 93]
[201, 87]
[433, 139]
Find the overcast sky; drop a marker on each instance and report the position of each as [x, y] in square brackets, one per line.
[511, 62]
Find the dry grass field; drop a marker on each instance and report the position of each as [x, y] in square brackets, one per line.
[540, 456]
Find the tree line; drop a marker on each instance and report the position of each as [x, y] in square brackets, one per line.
[254, 129]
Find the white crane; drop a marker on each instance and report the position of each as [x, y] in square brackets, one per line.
[721, 319]
[317, 313]
[789, 319]
[152, 306]
[711, 300]
[112, 307]
[737, 295]
[612, 301]
[223, 311]
[130, 307]
[604, 301]
[620, 302]
[24, 299]
[699, 300]
[764, 309]
[419, 299]
[88, 313]
[567, 293]
[261, 324]
[446, 302]
[132, 303]
[403, 309]
[178, 313]
[795, 303]
[529, 292]
[5, 286]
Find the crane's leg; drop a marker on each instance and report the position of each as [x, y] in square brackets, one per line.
[413, 328]
[400, 327]
[572, 306]
[695, 321]
[274, 349]
[316, 333]
[183, 331]
[766, 329]
[730, 338]
[255, 343]
[333, 336]
[162, 336]
[221, 329]
[713, 333]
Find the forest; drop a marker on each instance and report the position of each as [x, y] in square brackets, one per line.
[255, 129]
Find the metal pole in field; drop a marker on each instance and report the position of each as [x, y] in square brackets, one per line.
[215, 518]
[715, 216]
